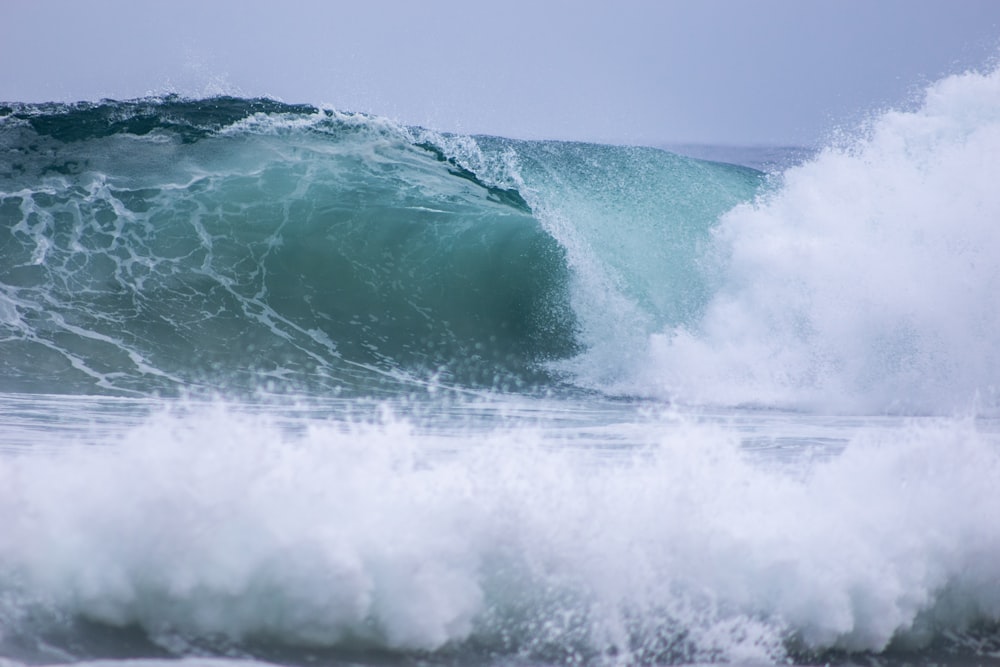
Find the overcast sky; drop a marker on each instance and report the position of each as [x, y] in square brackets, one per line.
[624, 71]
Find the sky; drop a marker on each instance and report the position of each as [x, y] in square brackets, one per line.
[653, 72]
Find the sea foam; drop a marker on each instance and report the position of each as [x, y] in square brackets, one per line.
[867, 281]
[208, 522]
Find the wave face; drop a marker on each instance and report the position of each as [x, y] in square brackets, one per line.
[234, 243]
[227, 242]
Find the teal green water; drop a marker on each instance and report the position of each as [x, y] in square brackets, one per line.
[234, 244]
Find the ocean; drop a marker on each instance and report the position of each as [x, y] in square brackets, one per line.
[283, 383]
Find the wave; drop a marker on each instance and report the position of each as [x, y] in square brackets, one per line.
[163, 244]
[227, 242]
[166, 242]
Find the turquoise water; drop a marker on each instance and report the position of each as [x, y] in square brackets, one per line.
[285, 383]
[226, 243]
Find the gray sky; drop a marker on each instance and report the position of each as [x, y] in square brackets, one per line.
[628, 71]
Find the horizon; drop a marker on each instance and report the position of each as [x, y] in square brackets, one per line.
[776, 73]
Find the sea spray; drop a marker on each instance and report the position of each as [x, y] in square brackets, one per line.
[866, 281]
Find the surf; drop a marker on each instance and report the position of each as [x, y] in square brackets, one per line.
[287, 383]
[495, 533]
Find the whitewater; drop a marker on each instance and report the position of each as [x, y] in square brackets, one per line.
[284, 383]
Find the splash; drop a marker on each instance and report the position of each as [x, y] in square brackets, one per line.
[865, 282]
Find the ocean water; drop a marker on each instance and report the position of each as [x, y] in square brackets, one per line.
[290, 384]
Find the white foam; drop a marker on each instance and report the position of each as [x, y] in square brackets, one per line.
[214, 523]
[867, 282]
